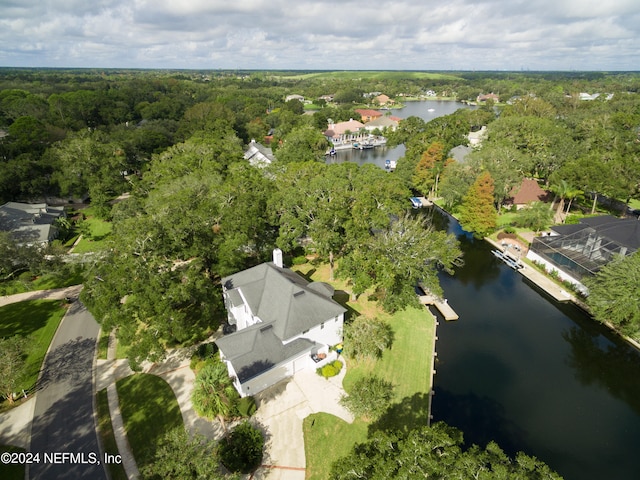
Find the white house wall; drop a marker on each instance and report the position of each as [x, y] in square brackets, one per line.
[276, 374]
[562, 275]
[327, 333]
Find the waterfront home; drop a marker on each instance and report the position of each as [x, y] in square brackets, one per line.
[280, 324]
[367, 115]
[381, 123]
[488, 96]
[383, 100]
[528, 191]
[581, 250]
[342, 132]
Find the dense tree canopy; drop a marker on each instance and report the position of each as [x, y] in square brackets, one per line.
[434, 452]
[613, 293]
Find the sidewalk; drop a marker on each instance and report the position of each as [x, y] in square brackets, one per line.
[54, 294]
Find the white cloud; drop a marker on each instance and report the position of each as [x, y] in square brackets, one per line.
[308, 34]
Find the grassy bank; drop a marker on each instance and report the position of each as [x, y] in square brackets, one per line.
[407, 365]
[37, 322]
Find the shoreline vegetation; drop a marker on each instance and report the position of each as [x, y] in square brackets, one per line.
[574, 299]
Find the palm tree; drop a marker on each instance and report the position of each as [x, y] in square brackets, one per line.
[214, 394]
[571, 194]
[560, 189]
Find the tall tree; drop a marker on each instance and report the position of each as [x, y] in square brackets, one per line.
[369, 397]
[407, 251]
[613, 292]
[434, 452]
[303, 144]
[183, 457]
[477, 213]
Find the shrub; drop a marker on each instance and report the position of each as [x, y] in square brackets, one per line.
[241, 451]
[369, 397]
[300, 260]
[509, 229]
[205, 353]
[330, 369]
[247, 406]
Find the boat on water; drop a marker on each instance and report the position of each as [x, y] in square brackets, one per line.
[431, 110]
[390, 165]
[415, 202]
[509, 260]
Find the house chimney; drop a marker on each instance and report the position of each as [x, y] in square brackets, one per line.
[277, 257]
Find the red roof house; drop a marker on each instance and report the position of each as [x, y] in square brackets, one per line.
[528, 191]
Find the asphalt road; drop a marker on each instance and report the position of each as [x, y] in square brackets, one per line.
[63, 430]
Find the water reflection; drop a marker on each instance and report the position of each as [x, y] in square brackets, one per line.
[600, 363]
[534, 375]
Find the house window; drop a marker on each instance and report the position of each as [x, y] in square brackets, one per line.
[321, 325]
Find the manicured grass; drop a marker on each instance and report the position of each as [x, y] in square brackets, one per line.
[106, 435]
[327, 438]
[66, 277]
[37, 321]
[149, 410]
[13, 471]
[407, 365]
[99, 231]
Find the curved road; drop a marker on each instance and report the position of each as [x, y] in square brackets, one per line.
[63, 421]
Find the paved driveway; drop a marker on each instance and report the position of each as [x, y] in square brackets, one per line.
[281, 411]
[63, 419]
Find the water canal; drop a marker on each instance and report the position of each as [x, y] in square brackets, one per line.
[533, 375]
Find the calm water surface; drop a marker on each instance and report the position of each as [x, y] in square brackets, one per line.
[427, 110]
[518, 368]
[535, 375]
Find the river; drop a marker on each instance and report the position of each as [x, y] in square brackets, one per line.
[533, 375]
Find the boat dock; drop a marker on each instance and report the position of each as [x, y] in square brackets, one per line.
[539, 279]
[442, 305]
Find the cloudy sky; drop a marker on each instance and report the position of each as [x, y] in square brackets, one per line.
[322, 34]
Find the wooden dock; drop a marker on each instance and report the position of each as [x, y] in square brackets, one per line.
[442, 305]
[425, 202]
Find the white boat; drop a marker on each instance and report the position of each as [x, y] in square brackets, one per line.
[512, 262]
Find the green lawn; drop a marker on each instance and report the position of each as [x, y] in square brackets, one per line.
[67, 276]
[96, 233]
[37, 321]
[13, 471]
[407, 365]
[149, 410]
[106, 435]
[327, 438]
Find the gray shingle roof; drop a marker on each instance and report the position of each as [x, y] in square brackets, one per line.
[256, 349]
[287, 304]
[29, 222]
[283, 297]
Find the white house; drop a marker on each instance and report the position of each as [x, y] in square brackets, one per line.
[258, 155]
[283, 324]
